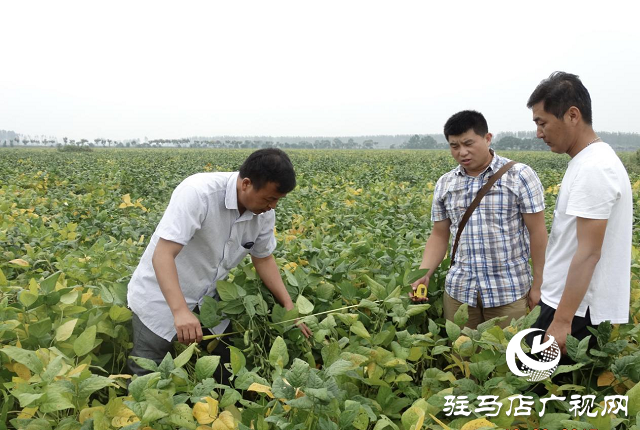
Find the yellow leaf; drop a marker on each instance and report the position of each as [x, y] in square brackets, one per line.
[119, 376]
[22, 371]
[124, 417]
[205, 413]
[87, 413]
[19, 262]
[127, 200]
[477, 423]
[606, 379]
[443, 425]
[65, 331]
[224, 422]
[27, 413]
[420, 413]
[78, 370]
[259, 388]
[86, 296]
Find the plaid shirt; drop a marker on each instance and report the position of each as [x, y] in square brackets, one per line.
[493, 253]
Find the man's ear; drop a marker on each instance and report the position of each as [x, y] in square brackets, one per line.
[245, 184]
[573, 115]
[488, 137]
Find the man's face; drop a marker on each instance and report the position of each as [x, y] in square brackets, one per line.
[259, 201]
[554, 131]
[471, 151]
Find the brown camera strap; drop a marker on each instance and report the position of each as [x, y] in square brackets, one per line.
[475, 203]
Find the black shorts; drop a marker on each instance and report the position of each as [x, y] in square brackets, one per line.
[579, 328]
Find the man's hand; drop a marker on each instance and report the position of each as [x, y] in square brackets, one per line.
[187, 327]
[306, 331]
[534, 297]
[424, 280]
[559, 330]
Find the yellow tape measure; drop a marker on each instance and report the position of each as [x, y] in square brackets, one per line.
[421, 292]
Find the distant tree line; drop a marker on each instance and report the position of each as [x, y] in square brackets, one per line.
[513, 141]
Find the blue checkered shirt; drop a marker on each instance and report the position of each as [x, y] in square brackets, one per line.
[493, 254]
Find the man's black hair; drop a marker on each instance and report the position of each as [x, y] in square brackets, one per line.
[559, 92]
[269, 165]
[464, 121]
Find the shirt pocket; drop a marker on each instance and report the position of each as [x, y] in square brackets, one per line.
[455, 201]
[236, 254]
[501, 208]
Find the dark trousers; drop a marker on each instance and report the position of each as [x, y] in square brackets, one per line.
[147, 344]
[579, 328]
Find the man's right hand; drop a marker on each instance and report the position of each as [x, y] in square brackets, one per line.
[187, 327]
[424, 280]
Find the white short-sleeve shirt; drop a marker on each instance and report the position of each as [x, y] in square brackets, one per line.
[595, 186]
[203, 216]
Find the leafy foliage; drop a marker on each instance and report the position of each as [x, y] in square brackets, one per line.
[74, 225]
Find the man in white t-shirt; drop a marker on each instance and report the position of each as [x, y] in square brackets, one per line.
[212, 222]
[588, 259]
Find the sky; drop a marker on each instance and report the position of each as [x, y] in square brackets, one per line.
[135, 69]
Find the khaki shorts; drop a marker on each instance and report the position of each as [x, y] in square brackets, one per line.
[480, 314]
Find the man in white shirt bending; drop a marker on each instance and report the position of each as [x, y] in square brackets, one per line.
[211, 223]
[588, 259]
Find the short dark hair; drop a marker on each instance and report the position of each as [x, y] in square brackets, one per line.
[559, 92]
[465, 120]
[269, 165]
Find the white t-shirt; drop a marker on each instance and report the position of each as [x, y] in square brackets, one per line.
[595, 186]
[203, 216]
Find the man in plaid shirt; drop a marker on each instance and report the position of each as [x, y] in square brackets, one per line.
[491, 271]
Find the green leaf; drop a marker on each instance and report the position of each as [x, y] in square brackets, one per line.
[209, 313]
[298, 374]
[184, 356]
[27, 298]
[119, 314]
[340, 367]
[93, 384]
[151, 413]
[634, 400]
[413, 276]
[206, 366]
[230, 397]
[166, 366]
[23, 356]
[48, 285]
[291, 280]
[3, 279]
[53, 368]
[237, 360]
[531, 318]
[378, 292]
[64, 331]
[229, 291]
[359, 329]
[304, 306]
[278, 356]
[462, 315]
[139, 384]
[413, 310]
[85, 342]
[182, 417]
[481, 370]
[453, 331]
[40, 328]
[145, 363]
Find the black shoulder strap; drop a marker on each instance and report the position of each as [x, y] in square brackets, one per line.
[475, 203]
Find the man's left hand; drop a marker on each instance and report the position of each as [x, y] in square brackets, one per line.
[306, 331]
[559, 331]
